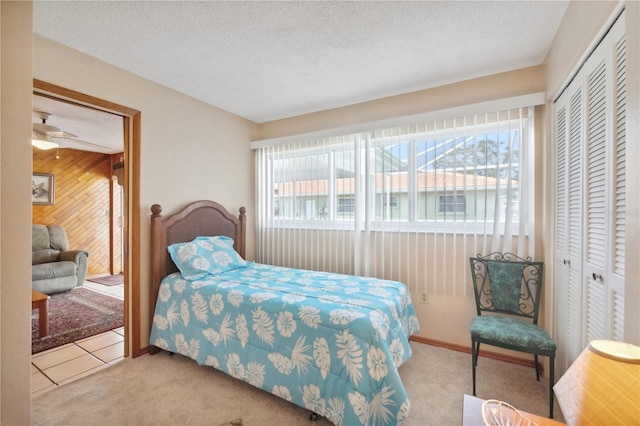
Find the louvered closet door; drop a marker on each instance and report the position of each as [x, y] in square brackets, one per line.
[560, 228]
[596, 238]
[617, 188]
[575, 302]
[604, 188]
[560, 270]
[589, 242]
[617, 262]
[568, 294]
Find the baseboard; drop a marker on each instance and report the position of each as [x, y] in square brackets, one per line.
[483, 353]
[143, 351]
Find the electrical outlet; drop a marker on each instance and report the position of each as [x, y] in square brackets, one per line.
[423, 297]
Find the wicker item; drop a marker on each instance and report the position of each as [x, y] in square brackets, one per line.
[499, 413]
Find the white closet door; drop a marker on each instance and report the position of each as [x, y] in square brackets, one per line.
[560, 270]
[575, 227]
[589, 252]
[616, 274]
[605, 187]
[597, 104]
[568, 291]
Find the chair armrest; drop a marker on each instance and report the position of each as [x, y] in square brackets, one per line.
[73, 255]
[80, 258]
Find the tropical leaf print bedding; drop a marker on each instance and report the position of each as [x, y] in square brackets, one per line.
[331, 343]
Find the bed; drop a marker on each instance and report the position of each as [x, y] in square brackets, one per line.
[327, 342]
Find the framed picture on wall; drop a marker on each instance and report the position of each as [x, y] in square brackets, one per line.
[42, 189]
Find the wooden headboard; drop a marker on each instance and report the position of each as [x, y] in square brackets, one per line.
[200, 218]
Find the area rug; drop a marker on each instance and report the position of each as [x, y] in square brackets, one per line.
[109, 280]
[74, 315]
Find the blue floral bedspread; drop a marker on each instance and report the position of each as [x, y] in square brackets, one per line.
[331, 343]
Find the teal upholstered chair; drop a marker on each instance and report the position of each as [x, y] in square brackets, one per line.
[508, 284]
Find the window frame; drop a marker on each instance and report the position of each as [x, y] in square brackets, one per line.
[445, 220]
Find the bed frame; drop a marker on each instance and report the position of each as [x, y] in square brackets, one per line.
[200, 218]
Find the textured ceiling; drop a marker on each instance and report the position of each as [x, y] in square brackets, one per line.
[270, 60]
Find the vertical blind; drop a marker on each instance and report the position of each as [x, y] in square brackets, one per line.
[409, 203]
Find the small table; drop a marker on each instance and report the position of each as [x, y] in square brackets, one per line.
[472, 414]
[40, 301]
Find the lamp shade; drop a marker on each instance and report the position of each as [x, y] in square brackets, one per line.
[602, 387]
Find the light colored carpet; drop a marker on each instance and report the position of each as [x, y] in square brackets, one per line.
[234, 422]
[169, 390]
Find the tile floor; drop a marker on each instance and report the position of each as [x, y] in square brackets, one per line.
[72, 361]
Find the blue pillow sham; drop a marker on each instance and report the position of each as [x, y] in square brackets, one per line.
[206, 256]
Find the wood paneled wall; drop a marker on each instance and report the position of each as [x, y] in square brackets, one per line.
[83, 202]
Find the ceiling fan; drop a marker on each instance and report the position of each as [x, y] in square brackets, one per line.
[46, 136]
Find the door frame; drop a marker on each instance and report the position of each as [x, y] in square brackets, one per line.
[131, 256]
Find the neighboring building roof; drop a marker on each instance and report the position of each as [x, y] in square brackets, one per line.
[427, 181]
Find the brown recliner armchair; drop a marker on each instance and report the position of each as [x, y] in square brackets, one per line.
[55, 268]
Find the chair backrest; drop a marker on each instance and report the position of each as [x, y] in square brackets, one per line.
[506, 283]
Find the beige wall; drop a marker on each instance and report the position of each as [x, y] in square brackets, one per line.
[498, 86]
[15, 212]
[189, 150]
[580, 27]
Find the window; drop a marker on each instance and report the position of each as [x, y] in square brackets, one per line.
[452, 204]
[391, 201]
[438, 172]
[396, 201]
[346, 205]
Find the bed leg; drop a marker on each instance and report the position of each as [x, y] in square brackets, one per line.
[313, 417]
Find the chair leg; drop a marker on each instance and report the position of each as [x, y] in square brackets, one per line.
[535, 358]
[551, 377]
[474, 361]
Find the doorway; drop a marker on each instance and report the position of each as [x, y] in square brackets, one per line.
[130, 223]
